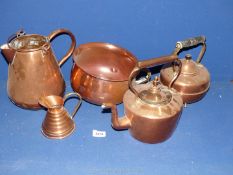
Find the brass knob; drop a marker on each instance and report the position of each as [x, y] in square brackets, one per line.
[188, 56]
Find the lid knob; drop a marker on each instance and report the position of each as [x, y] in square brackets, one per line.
[156, 81]
[188, 56]
[156, 94]
[188, 66]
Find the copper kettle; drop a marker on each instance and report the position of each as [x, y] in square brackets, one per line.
[194, 79]
[33, 70]
[152, 110]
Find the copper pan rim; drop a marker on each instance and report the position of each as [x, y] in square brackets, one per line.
[104, 61]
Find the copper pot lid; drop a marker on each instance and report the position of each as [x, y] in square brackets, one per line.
[105, 61]
[156, 95]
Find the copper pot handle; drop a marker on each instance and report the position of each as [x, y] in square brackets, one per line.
[67, 96]
[58, 32]
[191, 42]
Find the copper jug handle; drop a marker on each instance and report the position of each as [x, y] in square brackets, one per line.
[58, 32]
[192, 42]
[68, 95]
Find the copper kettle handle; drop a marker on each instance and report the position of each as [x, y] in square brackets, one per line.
[58, 32]
[147, 77]
[191, 42]
[67, 96]
[147, 63]
[179, 63]
[136, 71]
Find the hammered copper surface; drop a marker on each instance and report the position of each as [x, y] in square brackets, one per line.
[33, 70]
[58, 123]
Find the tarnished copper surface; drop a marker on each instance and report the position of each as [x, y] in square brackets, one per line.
[152, 119]
[33, 70]
[194, 79]
[58, 123]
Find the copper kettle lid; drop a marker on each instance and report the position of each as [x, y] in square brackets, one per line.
[105, 61]
[189, 67]
[156, 95]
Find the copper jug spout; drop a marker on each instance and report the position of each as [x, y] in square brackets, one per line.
[7, 52]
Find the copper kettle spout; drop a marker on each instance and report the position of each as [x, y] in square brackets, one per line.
[118, 123]
[7, 52]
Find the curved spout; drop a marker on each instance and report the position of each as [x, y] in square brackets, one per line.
[117, 123]
[7, 52]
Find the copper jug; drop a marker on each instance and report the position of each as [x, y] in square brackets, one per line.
[58, 123]
[152, 111]
[33, 70]
[194, 79]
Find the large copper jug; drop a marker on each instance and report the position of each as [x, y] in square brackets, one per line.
[33, 69]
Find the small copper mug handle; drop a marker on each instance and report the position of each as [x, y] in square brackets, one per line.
[191, 42]
[68, 95]
[58, 32]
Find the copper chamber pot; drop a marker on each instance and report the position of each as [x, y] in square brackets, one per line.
[101, 70]
[152, 111]
[58, 123]
[33, 70]
[194, 79]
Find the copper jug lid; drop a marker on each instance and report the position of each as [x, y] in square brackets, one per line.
[105, 61]
[156, 95]
[30, 42]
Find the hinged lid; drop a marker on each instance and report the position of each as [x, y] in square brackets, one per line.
[30, 42]
[105, 61]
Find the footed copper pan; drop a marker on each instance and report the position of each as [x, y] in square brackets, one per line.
[101, 70]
